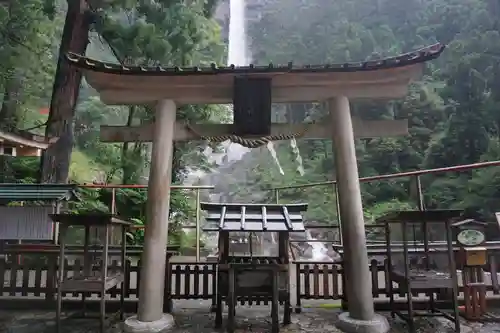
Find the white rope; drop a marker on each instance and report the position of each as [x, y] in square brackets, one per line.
[247, 142]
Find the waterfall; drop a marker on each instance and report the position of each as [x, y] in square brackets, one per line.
[298, 158]
[238, 49]
[239, 55]
[319, 250]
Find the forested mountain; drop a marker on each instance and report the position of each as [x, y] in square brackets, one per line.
[453, 111]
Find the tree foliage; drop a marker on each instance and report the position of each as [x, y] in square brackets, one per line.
[171, 33]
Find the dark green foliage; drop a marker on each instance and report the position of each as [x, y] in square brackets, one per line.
[136, 32]
[452, 112]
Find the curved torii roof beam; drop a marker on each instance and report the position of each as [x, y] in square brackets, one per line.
[386, 78]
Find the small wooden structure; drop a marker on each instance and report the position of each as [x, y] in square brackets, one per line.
[470, 236]
[25, 207]
[23, 143]
[253, 278]
[425, 271]
[91, 279]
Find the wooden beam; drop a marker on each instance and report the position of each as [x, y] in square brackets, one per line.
[362, 129]
[28, 151]
[18, 140]
[224, 95]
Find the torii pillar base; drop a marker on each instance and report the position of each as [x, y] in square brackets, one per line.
[134, 325]
[347, 324]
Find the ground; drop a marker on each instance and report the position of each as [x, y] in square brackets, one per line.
[197, 319]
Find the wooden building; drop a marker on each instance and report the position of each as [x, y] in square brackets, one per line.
[23, 143]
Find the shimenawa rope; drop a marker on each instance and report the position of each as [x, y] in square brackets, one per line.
[248, 142]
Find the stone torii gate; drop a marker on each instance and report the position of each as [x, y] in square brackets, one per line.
[337, 83]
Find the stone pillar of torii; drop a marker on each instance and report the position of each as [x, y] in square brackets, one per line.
[170, 87]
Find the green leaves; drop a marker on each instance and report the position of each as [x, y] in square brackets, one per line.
[49, 8]
[452, 112]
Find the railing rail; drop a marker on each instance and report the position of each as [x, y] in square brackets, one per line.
[410, 174]
[457, 168]
[196, 188]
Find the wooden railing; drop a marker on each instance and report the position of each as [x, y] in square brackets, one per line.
[196, 188]
[414, 176]
[193, 280]
[32, 280]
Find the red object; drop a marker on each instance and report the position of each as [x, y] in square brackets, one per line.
[44, 110]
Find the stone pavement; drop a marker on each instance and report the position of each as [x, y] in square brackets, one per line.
[201, 321]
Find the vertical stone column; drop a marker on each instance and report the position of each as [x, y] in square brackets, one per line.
[361, 316]
[150, 317]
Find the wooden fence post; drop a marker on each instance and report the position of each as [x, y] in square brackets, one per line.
[213, 307]
[167, 290]
[50, 285]
[298, 282]
[344, 290]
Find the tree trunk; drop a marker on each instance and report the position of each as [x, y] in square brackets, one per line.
[9, 117]
[10, 102]
[127, 164]
[56, 160]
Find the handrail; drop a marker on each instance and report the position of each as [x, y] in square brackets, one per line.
[196, 188]
[73, 249]
[175, 187]
[455, 168]
[414, 174]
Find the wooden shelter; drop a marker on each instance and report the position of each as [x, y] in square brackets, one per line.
[247, 278]
[252, 90]
[23, 143]
[94, 276]
[422, 271]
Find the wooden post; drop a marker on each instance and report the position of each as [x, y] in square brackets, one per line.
[361, 315]
[156, 232]
[198, 225]
[351, 212]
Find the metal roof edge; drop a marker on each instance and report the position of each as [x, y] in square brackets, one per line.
[214, 205]
[418, 56]
[39, 192]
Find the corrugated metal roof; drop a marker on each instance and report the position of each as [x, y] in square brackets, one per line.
[422, 55]
[254, 217]
[26, 222]
[37, 192]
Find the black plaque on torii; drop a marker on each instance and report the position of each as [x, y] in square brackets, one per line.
[252, 106]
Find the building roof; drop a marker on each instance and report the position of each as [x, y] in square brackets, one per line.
[385, 78]
[24, 138]
[23, 143]
[37, 192]
[253, 217]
